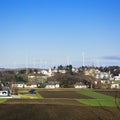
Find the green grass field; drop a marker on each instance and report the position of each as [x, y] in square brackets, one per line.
[95, 95]
[99, 99]
[98, 102]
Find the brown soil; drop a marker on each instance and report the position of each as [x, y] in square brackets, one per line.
[62, 94]
[56, 112]
[114, 93]
[44, 101]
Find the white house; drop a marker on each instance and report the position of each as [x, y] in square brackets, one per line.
[117, 77]
[80, 85]
[31, 84]
[45, 72]
[52, 85]
[102, 75]
[5, 93]
[19, 85]
[75, 70]
[31, 76]
[115, 85]
[62, 71]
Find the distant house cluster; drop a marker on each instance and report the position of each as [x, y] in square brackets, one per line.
[83, 78]
[105, 78]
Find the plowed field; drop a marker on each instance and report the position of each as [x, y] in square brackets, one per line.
[56, 112]
[62, 94]
[57, 105]
[44, 101]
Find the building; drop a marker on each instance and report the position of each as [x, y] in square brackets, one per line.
[102, 75]
[117, 78]
[31, 84]
[91, 71]
[115, 86]
[75, 70]
[62, 71]
[80, 85]
[52, 84]
[19, 85]
[5, 93]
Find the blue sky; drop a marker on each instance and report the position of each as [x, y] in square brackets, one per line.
[52, 32]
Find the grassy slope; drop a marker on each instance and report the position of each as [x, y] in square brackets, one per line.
[100, 99]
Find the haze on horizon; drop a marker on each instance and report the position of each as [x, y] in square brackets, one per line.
[53, 32]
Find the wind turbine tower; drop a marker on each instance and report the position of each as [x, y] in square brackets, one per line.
[83, 59]
[26, 64]
[68, 60]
